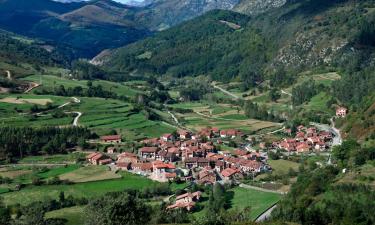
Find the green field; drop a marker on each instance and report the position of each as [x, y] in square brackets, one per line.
[241, 198]
[258, 201]
[58, 171]
[90, 173]
[73, 215]
[87, 190]
[58, 158]
[50, 82]
[103, 115]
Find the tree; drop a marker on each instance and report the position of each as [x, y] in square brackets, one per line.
[274, 95]
[4, 214]
[117, 209]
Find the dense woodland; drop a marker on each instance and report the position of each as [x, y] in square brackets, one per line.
[15, 50]
[317, 197]
[19, 142]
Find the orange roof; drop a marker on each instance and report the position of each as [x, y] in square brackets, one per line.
[111, 137]
[228, 172]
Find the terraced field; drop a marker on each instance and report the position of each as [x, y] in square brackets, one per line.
[103, 115]
[49, 82]
[86, 189]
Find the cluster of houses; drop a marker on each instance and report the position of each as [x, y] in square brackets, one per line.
[306, 140]
[187, 156]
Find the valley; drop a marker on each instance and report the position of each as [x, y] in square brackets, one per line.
[226, 112]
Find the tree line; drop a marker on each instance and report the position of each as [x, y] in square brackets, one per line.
[17, 142]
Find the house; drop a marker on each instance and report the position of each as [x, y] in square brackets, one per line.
[303, 147]
[206, 176]
[206, 133]
[230, 174]
[231, 133]
[105, 161]
[127, 157]
[168, 137]
[341, 112]
[163, 172]
[94, 158]
[145, 167]
[186, 201]
[123, 165]
[111, 139]
[196, 162]
[184, 134]
[148, 152]
[111, 150]
[248, 166]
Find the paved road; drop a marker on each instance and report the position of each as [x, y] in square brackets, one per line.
[79, 114]
[337, 139]
[225, 91]
[266, 215]
[9, 75]
[75, 121]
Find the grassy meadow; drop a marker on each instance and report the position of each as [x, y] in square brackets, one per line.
[86, 189]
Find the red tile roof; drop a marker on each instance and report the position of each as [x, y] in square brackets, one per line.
[228, 172]
[111, 137]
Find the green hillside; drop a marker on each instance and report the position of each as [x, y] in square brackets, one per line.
[301, 36]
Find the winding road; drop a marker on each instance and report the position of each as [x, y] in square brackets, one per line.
[75, 121]
[79, 114]
[9, 75]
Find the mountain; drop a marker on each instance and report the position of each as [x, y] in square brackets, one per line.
[255, 7]
[86, 27]
[298, 36]
[162, 14]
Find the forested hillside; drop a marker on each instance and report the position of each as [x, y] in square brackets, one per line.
[299, 36]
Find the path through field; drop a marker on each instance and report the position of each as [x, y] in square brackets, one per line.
[9, 75]
[33, 85]
[225, 91]
[79, 114]
[75, 121]
[286, 93]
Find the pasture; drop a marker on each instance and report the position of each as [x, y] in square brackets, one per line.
[90, 173]
[87, 189]
[241, 198]
[49, 82]
[103, 115]
[73, 215]
[223, 116]
[258, 201]
[53, 159]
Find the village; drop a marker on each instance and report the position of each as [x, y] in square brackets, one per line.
[190, 157]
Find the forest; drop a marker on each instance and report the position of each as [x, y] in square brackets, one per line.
[17, 142]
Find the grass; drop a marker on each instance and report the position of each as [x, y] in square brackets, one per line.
[3, 190]
[87, 189]
[73, 215]
[90, 173]
[258, 201]
[283, 166]
[52, 159]
[241, 198]
[50, 82]
[319, 103]
[58, 171]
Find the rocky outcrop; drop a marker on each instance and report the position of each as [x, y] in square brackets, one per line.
[254, 7]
